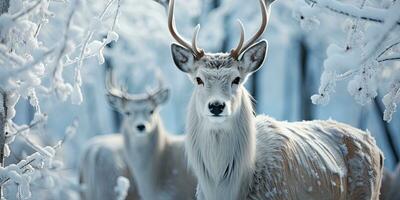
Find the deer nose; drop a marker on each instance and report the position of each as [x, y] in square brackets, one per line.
[216, 107]
[140, 127]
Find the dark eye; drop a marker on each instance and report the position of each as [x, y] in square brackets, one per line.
[128, 113]
[199, 81]
[151, 112]
[236, 81]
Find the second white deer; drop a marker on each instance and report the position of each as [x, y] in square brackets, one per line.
[144, 152]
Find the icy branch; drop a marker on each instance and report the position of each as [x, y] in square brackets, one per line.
[390, 58]
[362, 57]
[367, 13]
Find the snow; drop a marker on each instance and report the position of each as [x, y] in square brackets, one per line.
[122, 188]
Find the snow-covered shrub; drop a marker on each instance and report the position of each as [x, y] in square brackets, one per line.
[370, 44]
[32, 67]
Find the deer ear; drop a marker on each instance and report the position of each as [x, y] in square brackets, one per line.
[115, 102]
[254, 57]
[183, 58]
[161, 97]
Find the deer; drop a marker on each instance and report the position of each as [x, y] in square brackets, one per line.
[152, 159]
[236, 154]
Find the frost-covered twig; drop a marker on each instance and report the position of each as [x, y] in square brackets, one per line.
[85, 56]
[116, 15]
[27, 66]
[25, 128]
[19, 172]
[368, 13]
[390, 58]
[361, 58]
[90, 35]
[388, 48]
[122, 188]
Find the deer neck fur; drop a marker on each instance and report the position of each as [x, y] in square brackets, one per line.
[143, 153]
[222, 157]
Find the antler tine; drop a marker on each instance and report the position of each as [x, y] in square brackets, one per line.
[110, 84]
[235, 52]
[199, 52]
[260, 30]
[172, 29]
[160, 81]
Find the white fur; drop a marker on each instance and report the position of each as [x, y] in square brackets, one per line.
[236, 155]
[280, 160]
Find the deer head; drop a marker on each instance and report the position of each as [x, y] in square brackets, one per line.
[140, 111]
[219, 77]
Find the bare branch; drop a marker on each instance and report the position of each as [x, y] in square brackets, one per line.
[388, 48]
[25, 128]
[390, 58]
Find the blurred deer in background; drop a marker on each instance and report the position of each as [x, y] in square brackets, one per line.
[144, 152]
[236, 155]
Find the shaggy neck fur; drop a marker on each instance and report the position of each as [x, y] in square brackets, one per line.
[143, 154]
[222, 156]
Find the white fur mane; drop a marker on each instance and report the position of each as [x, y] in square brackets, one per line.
[222, 158]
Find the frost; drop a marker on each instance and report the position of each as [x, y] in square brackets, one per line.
[96, 47]
[391, 99]
[32, 66]
[122, 188]
[327, 87]
[76, 96]
[367, 47]
[363, 86]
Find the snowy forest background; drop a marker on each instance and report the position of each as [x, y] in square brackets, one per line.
[70, 105]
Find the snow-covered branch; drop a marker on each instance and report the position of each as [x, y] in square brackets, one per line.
[24, 63]
[367, 13]
[20, 173]
[363, 55]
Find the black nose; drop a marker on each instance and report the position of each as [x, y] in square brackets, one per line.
[216, 108]
[140, 127]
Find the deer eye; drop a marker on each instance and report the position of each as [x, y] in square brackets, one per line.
[151, 112]
[199, 81]
[128, 113]
[236, 81]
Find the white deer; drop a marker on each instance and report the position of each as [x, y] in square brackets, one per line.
[236, 155]
[144, 152]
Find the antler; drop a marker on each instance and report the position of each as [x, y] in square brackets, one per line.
[111, 89]
[114, 91]
[235, 53]
[172, 29]
[160, 85]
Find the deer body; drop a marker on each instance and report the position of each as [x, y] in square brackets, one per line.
[157, 162]
[314, 160]
[236, 155]
[261, 158]
[102, 163]
[144, 152]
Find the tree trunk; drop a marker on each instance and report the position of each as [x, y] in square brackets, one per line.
[4, 4]
[306, 111]
[387, 131]
[3, 117]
